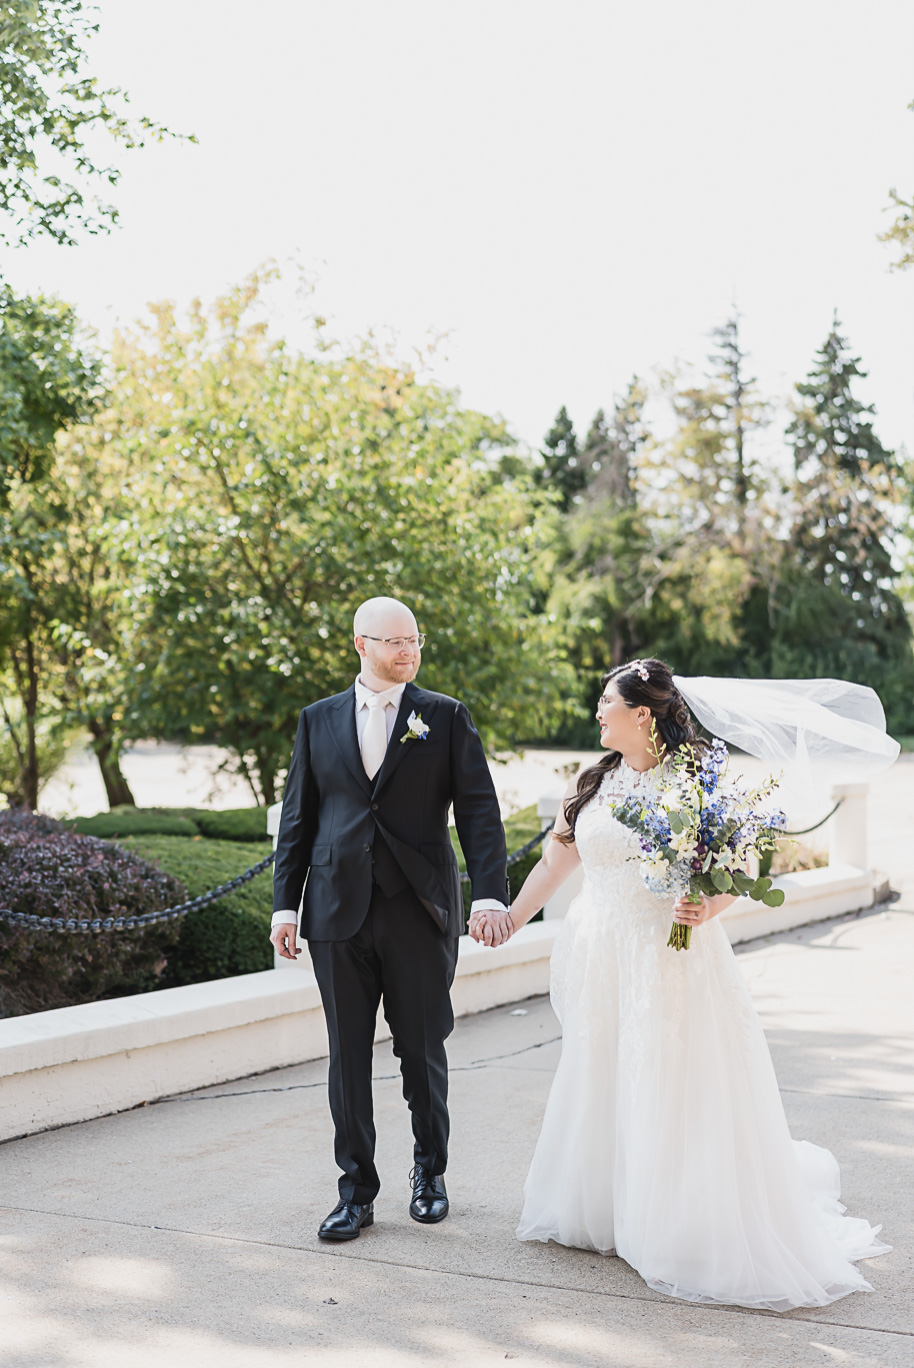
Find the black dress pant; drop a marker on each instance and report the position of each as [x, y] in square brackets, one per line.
[400, 957]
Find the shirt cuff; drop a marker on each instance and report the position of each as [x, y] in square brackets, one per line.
[486, 905]
[279, 918]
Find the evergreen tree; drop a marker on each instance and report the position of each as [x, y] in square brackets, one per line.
[832, 427]
[843, 615]
[562, 470]
[705, 474]
[742, 409]
[597, 451]
[609, 451]
[601, 573]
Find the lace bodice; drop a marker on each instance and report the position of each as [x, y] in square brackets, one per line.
[609, 851]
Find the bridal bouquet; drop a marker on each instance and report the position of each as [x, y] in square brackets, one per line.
[696, 832]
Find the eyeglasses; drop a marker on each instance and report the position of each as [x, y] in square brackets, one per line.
[399, 642]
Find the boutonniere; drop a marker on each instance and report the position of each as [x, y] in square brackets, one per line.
[418, 730]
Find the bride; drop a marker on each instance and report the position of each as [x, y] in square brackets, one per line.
[664, 1138]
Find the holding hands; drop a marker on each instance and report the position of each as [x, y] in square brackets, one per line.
[488, 926]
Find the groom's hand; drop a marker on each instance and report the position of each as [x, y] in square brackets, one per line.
[283, 938]
[491, 927]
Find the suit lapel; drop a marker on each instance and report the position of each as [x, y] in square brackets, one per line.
[346, 738]
[396, 750]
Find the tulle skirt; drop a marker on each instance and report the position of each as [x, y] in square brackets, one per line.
[664, 1138]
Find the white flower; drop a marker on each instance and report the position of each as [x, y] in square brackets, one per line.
[417, 729]
[684, 844]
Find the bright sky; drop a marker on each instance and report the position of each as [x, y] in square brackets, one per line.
[570, 191]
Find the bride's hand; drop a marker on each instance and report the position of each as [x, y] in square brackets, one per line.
[491, 927]
[689, 913]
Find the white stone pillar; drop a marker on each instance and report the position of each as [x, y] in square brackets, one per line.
[304, 959]
[847, 843]
[547, 809]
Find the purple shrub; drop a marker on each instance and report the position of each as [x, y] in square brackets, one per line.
[48, 871]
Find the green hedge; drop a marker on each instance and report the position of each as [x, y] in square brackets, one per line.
[231, 936]
[232, 824]
[205, 849]
[131, 821]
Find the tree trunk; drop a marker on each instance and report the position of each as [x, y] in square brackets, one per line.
[117, 789]
[30, 767]
[266, 773]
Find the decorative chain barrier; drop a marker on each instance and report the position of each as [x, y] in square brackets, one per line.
[807, 830]
[146, 919]
[523, 850]
[34, 923]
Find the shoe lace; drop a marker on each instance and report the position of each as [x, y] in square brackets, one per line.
[418, 1176]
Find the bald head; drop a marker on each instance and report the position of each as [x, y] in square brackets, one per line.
[378, 621]
[384, 617]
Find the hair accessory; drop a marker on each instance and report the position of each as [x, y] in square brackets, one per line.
[640, 669]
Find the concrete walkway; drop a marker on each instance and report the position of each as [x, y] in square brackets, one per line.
[182, 1235]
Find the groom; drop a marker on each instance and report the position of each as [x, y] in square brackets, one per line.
[364, 832]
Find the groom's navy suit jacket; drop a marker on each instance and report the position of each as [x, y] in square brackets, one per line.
[341, 831]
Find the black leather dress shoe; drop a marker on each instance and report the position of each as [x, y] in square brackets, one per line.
[430, 1203]
[346, 1221]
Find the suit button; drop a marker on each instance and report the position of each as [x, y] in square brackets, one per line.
[368, 847]
[374, 807]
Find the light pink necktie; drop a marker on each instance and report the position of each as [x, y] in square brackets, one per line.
[374, 737]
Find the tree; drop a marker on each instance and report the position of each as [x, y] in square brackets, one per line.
[52, 110]
[902, 230]
[48, 380]
[709, 504]
[562, 471]
[97, 634]
[600, 571]
[843, 615]
[742, 408]
[272, 491]
[610, 450]
[832, 430]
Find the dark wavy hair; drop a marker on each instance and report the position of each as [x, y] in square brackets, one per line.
[675, 727]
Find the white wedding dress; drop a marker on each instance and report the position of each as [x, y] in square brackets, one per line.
[664, 1138]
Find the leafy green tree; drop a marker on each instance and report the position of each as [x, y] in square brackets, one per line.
[275, 491]
[48, 379]
[51, 112]
[97, 634]
[562, 470]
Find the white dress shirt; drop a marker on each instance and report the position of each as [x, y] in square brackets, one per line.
[394, 696]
